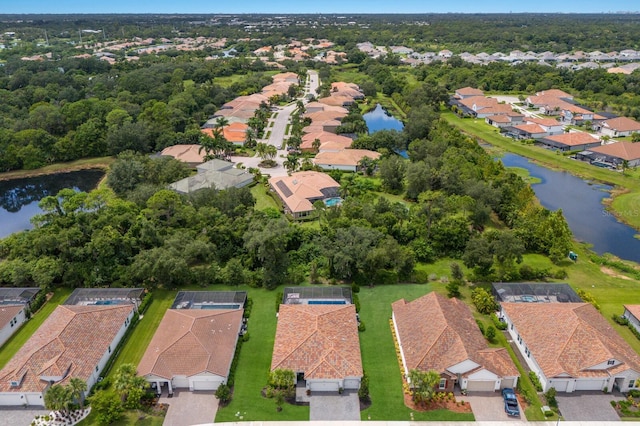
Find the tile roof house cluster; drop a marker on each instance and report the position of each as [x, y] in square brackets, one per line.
[14, 303]
[299, 191]
[321, 344]
[571, 347]
[534, 128]
[75, 341]
[435, 333]
[218, 174]
[560, 103]
[613, 154]
[192, 154]
[325, 120]
[472, 102]
[192, 348]
[235, 132]
[571, 141]
[342, 94]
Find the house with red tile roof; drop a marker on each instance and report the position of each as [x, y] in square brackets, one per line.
[75, 341]
[320, 343]
[299, 191]
[572, 141]
[526, 131]
[571, 347]
[619, 127]
[550, 125]
[192, 154]
[632, 314]
[504, 120]
[235, 132]
[346, 159]
[328, 141]
[14, 303]
[616, 153]
[192, 348]
[440, 334]
[467, 92]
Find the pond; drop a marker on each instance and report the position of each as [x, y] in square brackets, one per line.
[379, 119]
[581, 204]
[19, 197]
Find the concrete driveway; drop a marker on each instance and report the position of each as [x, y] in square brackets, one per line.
[583, 406]
[190, 408]
[20, 416]
[489, 406]
[327, 406]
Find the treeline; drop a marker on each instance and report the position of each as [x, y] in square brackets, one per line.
[75, 108]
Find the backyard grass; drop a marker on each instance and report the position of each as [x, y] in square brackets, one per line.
[130, 417]
[263, 200]
[139, 339]
[19, 338]
[626, 206]
[253, 368]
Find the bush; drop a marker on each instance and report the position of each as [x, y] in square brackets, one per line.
[491, 333]
[588, 297]
[480, 326]
[223, 393]
[453, 289]
[363, 392]
[550, 413]
[248, 306]
[550, 396]
[619, 319]
[245, 337]
[634, 393]
[560, 274]
[361, 326]
[535, 381]
[279, 296]
[356, 302]
[355, 288]
[483, 301]
[146, 301]
[500, 325]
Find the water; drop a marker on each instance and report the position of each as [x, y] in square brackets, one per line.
[380, 119]
[331, 202]
[19, 197]
[581, 204]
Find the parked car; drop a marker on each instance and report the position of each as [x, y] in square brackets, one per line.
[510, 402]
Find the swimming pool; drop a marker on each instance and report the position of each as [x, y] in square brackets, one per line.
[332, 202]
[327, 302]
[219, 306]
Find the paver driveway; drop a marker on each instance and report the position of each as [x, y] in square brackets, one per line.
[489, 406]
[19, 416]
[333, 406]
[587, 406]
[190, 408]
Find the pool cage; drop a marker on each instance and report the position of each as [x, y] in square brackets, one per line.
[306, 295]
[17, 296]
[105, 296]
[535, 293]
[188, 299]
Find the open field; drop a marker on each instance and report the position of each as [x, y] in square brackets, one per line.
[625, 206]
[86, 163]
[16, 341]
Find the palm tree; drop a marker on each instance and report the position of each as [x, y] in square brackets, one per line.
[316, 145]
[78, 387]
[58, 398]
[250, 138]
[291, 163]
[123, 379]
[271, 152]
[261, 149]
[221, 123]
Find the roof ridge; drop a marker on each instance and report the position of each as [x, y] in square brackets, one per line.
[175, 342]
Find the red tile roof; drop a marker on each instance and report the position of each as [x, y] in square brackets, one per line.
[8, 312]
[634, 309]
[573, 138]
[72, 340]
[570, 338]
[192, 341]
[530, 128]
[188, 153]
[469, 91]
[622, 124]
[547, 122]
[296, 190]
[436, 333]
[319, 340]
[345, 157]
[624, 150]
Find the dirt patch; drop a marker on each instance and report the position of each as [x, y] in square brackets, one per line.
[612, 273]
[438, 404]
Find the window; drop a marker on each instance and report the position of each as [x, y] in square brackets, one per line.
[109, 349]
[96, 368]
[443, 384]
[611, 362]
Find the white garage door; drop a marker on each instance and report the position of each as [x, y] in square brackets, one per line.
[589, 385]
[324, 386]
[205, 385]
[507, 383]
[352, 384]
[559, 385]
[481, 385]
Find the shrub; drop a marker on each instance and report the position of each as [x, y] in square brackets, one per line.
[549, 413]
[146, 301]
[355, 288]
[363, 392]
[619, 319]
[356, 302]
[550, 396]
[634, 393]
[453, 289]
[588, 297]
[535, 381]
[247, 308]
[223, 393]
[361, 326]
[500, 325]
[560, 274]
[279, 296]
[491, 333]
[245, 337]
[483, 301]
[480, 326]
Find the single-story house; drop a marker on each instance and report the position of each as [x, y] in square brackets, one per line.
[467, 92]
[299, 191]
[504, 120]
[547, 97]
[473, 105]
[194, 345]
[550, 125]
[192, 154]
[525, 131]
[320, 343]
[493, 110]
[571, 141]
[618, 127]
[632, 314]
[214, 173]
[613, 154]
[75, 341]
[347, 159]
[440, 334]
[342, 142]
[571, 347]
[235, 132]
[14, 303]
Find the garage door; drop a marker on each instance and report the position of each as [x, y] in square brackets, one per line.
[589, 385]
[324, 386]
[481, 385]
[205, 385]
[351, 384]
[559, 385]
[507, 383]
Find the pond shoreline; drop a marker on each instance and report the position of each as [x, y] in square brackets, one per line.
[101, 163]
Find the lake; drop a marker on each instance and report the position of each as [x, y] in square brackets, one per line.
[19, 197]
[379, 119]
[581, 204]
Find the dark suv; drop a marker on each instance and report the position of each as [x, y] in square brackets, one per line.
[510, 402]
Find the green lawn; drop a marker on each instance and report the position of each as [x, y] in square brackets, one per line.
[263, 200]
[379, 356]
[131, 417]
[19, 338]
[627, 206]
[253, 368]
[139, 339]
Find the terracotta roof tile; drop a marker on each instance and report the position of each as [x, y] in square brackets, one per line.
[302, 187]
[624, 150]
[73, 338]
[622, 124]
[8, 312]
[346, 157]
[192, 341]
[634, 309]
[319, 340]
[573, 138]
[188, 153]
[570, 338]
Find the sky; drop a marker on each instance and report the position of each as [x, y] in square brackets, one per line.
[315, 6]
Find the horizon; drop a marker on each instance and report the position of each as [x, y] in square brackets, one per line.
[328, 7]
